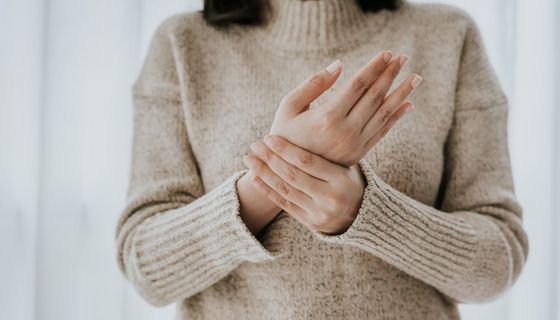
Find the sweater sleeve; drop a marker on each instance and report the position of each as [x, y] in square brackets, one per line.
[473, 247]
[173, 240]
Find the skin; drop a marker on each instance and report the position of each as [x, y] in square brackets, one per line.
[307, 166]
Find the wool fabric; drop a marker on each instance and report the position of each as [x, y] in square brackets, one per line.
[439, 223]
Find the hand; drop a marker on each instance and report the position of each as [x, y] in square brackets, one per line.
[345, 128]
[322, 195]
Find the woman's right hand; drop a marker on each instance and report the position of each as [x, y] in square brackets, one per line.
[345, 128]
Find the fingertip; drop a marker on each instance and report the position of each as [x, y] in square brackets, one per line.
[403, 59]
[268, 139]
[334, 67]
[271, 140]
[394, 58]
[387, 55]
[416, 79]
[408, 106]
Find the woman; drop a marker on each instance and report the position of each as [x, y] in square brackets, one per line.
[341, 211]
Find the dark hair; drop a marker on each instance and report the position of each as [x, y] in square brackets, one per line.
[225, 12]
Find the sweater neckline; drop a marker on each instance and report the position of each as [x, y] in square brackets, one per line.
[311, 27]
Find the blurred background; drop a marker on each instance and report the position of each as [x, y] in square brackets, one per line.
[66, 71]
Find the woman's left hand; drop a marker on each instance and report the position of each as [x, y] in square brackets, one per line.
[322, 195]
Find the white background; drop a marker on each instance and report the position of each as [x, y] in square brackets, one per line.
[66, 70]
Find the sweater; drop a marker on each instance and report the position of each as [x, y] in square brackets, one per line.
[438, 225]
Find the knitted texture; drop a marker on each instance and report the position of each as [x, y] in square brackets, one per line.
[438, 225]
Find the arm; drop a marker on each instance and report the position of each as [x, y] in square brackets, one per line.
[173, 240]
[473, 247]
[323, 128]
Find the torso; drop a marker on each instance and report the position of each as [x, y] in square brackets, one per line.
[332, 282]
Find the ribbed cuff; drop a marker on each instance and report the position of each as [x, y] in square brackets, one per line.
[464, 254]
[409, 235]
[192, 247]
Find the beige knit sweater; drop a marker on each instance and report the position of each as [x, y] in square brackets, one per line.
[439, 223]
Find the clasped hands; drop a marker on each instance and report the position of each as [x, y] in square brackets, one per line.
[308, 164]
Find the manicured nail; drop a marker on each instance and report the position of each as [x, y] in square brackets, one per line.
[403, 59]
[409, 107]
[333, 66]
[387, 56]
[268, 139]
[416, 81]
[256, 147]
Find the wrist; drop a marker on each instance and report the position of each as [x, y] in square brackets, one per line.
[258, 201]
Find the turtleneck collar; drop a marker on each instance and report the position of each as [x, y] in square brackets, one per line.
[317, 26]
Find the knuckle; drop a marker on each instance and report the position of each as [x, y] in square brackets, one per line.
[260, 186]
[279, 147]
[316, 81]
[259, 166]
[282, 202]
[377, 97]
[359, 84]
[282, 188]
[290, 175]
[385, 115]
[305, 159]
[328, 119]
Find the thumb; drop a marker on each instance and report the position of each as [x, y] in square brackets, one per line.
[301, 97]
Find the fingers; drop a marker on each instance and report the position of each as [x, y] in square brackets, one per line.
[288, 192]
[306, 161]
[298, 213]
[375, 95]
[298, 99]
[391, 104]
[381, 132]
[355, 88]
[287, 172]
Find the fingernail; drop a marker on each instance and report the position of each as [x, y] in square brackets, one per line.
[403, 59]
[256, 147]
[387, 56]
[333, 66]
[416, 81]
[268, 139]
[409, 107]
